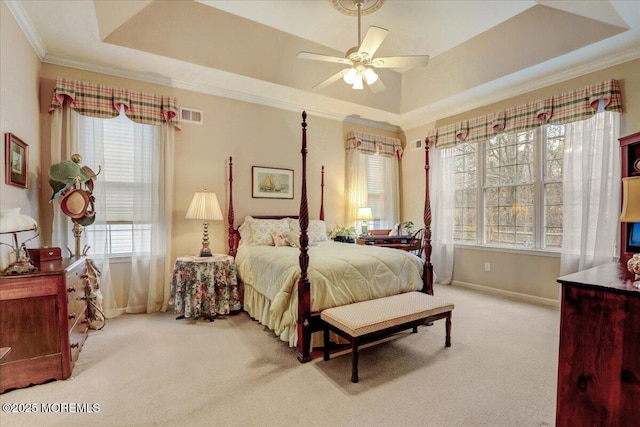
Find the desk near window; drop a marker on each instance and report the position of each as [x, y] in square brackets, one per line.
[412, 243]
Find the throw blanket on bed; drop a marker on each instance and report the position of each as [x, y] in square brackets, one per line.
[339, 273]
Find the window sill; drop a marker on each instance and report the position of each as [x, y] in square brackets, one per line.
[518, 251]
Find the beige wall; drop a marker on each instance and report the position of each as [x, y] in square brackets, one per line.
[263, 136]
[526, 272]
[19, 73]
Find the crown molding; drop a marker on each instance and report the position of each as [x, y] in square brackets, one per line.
[25, 24]
[515, 86]
[481, 96]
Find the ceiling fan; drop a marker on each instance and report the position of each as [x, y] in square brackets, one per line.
[361, 61]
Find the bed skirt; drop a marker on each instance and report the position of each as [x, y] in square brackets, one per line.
[257, 306]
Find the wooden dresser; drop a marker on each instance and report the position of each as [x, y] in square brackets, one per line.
[43, 320]
[599, 356]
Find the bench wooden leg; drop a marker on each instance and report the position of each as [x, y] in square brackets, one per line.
[447, 342]
[325, 335]
[415, 329]
[354, 361]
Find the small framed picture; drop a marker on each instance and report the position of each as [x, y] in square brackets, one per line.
[16, 154]
[271, 183]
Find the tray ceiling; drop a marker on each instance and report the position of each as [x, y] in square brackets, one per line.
[480, 50]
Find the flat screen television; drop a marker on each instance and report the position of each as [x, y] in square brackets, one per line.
[634, 237]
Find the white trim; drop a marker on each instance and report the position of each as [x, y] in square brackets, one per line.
[481, 96]
[372, 124]
[508, 294]
[27, 27]
[514, 250]
[457, 104]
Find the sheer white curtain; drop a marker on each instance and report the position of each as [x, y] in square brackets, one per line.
[150, 263]
[591, 192]
[153, 168]
[66, 131]
[372, 180]
[356, 183]
[441, 183]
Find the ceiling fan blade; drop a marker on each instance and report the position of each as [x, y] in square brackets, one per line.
[319, 57]
[377, 86]
[337, 76]
[401, 61]
[372, 40]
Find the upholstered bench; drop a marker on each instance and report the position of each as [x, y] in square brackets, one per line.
[368, 321]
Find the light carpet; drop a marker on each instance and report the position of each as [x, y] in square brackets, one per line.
[144, 370]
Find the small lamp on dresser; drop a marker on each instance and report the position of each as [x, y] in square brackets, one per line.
[205, 206]
[365, 215]
[631, 213]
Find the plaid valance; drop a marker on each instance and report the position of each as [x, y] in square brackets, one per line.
[566, 107]
[374, 144]
[90, 99]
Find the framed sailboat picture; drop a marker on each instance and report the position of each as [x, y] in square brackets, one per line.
[271, 183]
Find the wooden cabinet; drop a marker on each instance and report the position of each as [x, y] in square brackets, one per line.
[43, 318]
[599, 355]
[630, 156]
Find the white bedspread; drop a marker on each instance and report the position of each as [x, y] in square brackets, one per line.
[339, 273]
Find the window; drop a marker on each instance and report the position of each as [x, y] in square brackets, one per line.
[508, 190]
[120, 147]
[375, 188]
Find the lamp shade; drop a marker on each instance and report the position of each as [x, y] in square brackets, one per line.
[11, 221]
[204, 206]
[350, 76]
[370, 76]
[364, 214]
[630, 199]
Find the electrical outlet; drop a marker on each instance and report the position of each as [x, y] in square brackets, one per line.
[487, 266]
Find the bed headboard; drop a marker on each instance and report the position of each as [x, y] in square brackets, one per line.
[234, 234]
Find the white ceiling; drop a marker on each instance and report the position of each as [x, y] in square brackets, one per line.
[175, 43]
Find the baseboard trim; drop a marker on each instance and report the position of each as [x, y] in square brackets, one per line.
[508, 294]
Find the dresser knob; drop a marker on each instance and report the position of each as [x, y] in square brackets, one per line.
[72, 316]
[582, 382]
[74, 345]
[72, 289]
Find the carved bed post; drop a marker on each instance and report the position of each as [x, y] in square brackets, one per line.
[322, 195]
[304, 292]
[427, 269]
[230, 216]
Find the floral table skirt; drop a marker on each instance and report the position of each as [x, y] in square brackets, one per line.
[205, 286]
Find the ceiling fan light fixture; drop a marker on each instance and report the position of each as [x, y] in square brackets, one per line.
[370, 76]
[358, 83]
[350, 76]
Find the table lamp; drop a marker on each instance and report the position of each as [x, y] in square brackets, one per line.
[12, 222]
[205, 206]
[364, 215]
[631, 213]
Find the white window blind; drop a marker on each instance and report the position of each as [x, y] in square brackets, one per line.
[123, 150]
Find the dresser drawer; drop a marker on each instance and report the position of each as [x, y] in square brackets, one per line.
[78, 333]
[76, 301]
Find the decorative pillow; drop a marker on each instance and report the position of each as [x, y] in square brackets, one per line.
[293, 238]
[280, 239]
[245, 232]
[261, 230]
[317, 231]
[294, 224]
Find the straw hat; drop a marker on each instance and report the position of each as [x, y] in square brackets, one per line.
[74, 203]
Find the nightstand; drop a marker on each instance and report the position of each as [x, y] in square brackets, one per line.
[205, 286]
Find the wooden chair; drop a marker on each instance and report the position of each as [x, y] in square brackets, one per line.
[417, 243]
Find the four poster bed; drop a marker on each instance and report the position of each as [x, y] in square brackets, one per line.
[278, 258]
